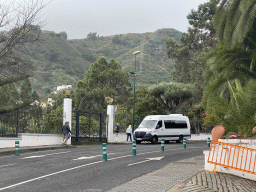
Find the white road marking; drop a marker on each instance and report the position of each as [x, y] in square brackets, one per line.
[6, 156]
[37, 156]
[8, 165]
[119, 157]
[91, 157]
[58, 153]
[158, 151]
[48, 175]
[46, 151]
[149, 159]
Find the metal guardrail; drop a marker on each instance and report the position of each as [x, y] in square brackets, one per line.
[232, 156]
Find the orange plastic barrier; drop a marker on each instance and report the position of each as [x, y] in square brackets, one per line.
[232, 156]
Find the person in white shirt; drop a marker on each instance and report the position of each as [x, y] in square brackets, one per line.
[129, 132]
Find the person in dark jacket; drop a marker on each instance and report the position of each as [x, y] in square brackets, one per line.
[65, 131]
[117, 131]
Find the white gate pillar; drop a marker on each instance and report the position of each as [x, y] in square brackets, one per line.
[110, 125]
[67, 114]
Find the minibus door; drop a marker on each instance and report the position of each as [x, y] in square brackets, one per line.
[160, 128]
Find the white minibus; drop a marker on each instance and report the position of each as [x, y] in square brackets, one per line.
[153, 128]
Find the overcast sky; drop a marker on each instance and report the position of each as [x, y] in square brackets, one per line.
[110, 17]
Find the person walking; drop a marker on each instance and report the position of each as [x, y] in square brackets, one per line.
[65, 131]
[117, 131]
[129, 133]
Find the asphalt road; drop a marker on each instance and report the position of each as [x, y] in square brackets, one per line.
[83, 168]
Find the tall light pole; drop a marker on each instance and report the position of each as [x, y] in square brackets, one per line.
[135, 53]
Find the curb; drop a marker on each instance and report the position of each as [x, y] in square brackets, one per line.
[12, 150]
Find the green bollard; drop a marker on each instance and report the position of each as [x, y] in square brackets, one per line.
[105, 156]
[134, 147]
[162, 144]
[208, 142]
[184, 143]
[17, 149]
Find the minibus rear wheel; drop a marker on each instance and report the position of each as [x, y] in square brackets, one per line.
[154, 140]
[180, 139]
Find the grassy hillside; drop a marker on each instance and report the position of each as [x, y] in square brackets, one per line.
[60, 61]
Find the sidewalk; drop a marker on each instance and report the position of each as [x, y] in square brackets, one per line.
[165, 178]
[208, 181]
[186, 175]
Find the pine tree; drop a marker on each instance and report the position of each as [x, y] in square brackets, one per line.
[26, 92]
[9, 98]
[5, 95]
[35, 96]
[103, 79]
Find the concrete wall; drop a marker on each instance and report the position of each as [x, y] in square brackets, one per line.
[200, 137]
[120, 139]
[31, 139]
[241, 142]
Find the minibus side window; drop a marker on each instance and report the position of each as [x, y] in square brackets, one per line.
[159, 124]
[175, 124]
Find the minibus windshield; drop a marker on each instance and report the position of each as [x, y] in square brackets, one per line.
[150, 124]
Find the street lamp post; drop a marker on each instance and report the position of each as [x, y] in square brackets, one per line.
[135, 53]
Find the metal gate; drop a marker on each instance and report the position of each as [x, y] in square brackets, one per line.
[89, 126]
[90, 120]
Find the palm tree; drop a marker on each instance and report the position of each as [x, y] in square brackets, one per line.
[238, 113]
[223, 65]
[235, 56]
[242, 107]
[234, 20]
